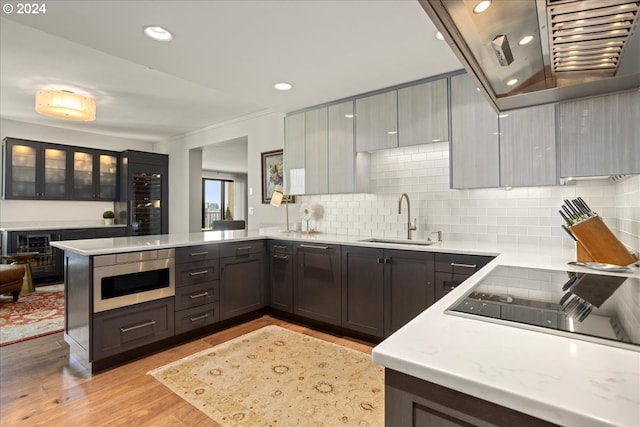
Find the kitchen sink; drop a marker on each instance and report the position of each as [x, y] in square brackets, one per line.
[400, 241]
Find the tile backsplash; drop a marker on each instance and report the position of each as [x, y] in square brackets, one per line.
[527, 215]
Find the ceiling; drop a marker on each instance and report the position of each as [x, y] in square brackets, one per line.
[221, 64]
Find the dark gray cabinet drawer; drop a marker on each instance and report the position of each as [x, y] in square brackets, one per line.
[197, 317]
[122, 329]
[197, 272]
[241, 248]
[111, 232]
[196, 253]
[196, 295]
[460, 263]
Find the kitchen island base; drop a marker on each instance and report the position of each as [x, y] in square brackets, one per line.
[412, 402]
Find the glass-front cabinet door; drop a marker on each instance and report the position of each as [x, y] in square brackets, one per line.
[21, 183]
[83, 184]
[108, 179]
[55, 173]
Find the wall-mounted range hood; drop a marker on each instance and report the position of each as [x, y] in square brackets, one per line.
[578, 49]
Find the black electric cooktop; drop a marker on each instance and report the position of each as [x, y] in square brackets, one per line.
[592, 307]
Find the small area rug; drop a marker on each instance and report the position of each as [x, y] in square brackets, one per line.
[34, 315]
[277, 377]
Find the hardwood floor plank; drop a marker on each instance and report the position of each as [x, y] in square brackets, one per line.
[41, 385]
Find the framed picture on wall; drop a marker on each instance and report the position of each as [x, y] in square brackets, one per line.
[272, 173]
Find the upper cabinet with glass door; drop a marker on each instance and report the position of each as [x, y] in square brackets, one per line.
[35, 170]
[40, 170]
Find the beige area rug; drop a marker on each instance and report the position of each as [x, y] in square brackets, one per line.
[276, 377]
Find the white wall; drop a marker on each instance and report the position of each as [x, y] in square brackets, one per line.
[264, 132]
[41, 210]
[520, 215]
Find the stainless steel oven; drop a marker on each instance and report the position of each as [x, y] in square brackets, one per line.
[121, 280]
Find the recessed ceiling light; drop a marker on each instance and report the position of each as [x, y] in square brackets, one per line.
[525, 40]
[512, 82]
[392, 132]
[349, 116]
[282, 86]
[158, 33]
[482, 6]
[503, 115]
[439, 36]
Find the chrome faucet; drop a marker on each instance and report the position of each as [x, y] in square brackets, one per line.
[410, 227]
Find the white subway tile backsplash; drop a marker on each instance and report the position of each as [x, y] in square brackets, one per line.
[519, 215]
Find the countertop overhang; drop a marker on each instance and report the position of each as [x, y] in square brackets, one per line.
[561, 380]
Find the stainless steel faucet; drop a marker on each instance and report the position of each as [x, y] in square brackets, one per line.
[410, 227]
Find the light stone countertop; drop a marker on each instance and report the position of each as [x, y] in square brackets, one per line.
[566, 381]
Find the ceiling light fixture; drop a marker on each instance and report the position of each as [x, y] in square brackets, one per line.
[482, 6]
[439, 36]
[282, 86]
[525, 40]
[158, 33]
[512, 82]
[66, 105]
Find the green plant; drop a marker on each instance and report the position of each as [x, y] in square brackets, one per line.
[108, 214]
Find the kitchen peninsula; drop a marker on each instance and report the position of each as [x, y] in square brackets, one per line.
[551, 378]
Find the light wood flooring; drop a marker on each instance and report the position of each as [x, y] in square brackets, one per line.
[41, 385]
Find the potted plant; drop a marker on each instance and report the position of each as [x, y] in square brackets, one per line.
[108, 217]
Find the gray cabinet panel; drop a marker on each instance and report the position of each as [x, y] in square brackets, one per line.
[528, 147]
[362, 290]
[122, 329]
[196, 253]
[341, 162]
[197, 317]
[241, 285]
[474, 155]
[241, 248]
[377, 122]
[423, 113]
[600, 136]
[281, 264]
[195, 295]
[294, 153]
[316, 152]
[196, 272]
[318, 288]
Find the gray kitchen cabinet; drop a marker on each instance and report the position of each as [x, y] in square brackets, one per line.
[409, 286]
[377, 121]
[528, 147]
[363, 290]
[411, 401]
[423, 113]
[294, 153]
[316, 144]
[122, 329]
[600, 136]
[341, 164]
[242, 278]
[474, 154]
[281, 264]
[453, 269]
[197, 287]
[317, 290]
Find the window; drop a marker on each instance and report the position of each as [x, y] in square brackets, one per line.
[217, 201]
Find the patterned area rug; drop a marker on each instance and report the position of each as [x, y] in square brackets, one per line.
[34, 315]
[277, 377]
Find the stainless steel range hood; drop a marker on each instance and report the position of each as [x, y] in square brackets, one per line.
[578, 49]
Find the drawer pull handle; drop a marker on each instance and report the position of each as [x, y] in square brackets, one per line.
[198, 273]
[281, 257]
[454, 264]
[195, 319]
[243, 248]
[202, 295]
[142, 325]
[198, 253]
[314, 247]
[279, 247]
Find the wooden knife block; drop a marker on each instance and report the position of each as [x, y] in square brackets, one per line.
[597, 243]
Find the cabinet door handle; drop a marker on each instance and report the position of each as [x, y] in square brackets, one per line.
[195, 319]
[198, 273]
[314, 247]
[198, 253]
[454, 264]
[279, 247]
[281, 257]
[202, 295]
[142, 325]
